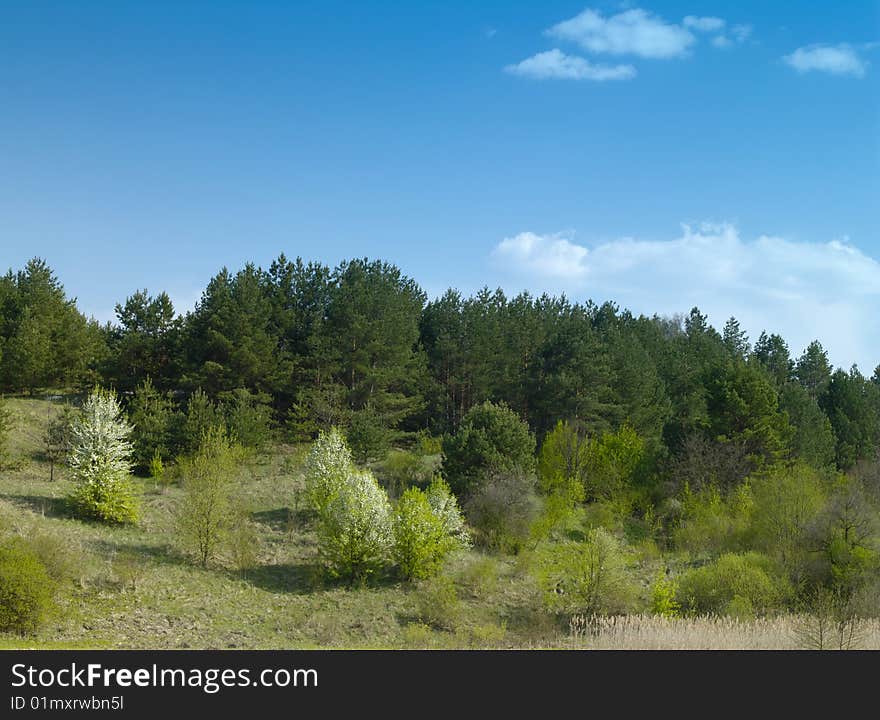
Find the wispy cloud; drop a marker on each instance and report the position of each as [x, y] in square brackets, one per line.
[737, 35]
[802, 290]
[840, 59]
[703, 24]
[632, 32]
[554, 64]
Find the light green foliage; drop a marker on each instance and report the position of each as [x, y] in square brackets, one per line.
[401, 470]
[421, 541]
[663, 592]
[492, 438]
[99, 457]
[786, 504]
[355, 528]
[612, 463]
[564, 457]
[586, 577]
[157, 471]
[26, 590]
[206, 510]
[711, 523]
[326, 469]
[736, 584]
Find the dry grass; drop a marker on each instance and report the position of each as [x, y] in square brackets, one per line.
[647, 632]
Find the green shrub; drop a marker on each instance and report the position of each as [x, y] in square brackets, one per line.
[26, 590]
[663, 592]
[445, 506]
[206, 510]
[492, 438]
[5, 430]
[588, 577]
[201, 415]
[503, 508]
[734, 584]
[711, 524]
[421, 541]
[152, 417]
[401, 470]
[564, 458]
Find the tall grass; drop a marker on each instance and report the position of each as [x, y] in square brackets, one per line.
[651, 632]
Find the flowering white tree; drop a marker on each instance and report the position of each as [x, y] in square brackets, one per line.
[354, 528]
[100, 457]
[326, 469]
[445, 507]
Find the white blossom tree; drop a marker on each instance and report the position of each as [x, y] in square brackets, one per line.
[326, 469]
[100, 458]
[354, 528]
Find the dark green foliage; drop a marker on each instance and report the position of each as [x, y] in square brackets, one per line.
[26, 590]
[152, 417]
[852, 404]
[248, 417]
[201, 415]
[368, 437]
[812, 438]
[491, 438]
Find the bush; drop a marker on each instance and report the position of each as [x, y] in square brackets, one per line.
[401, 470]
[205, 513]
[445, 506]
[711, 524]
[564, 457]
[99, 457]
[421, 541]
[503, 508]
[735, 584]
[327, 467]
[492, 438]
[663, 593]
[613, 462]
[354, 527]
[368, 437]
[26, 590]
[588, 577]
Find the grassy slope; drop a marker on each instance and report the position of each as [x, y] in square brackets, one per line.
[154, 598]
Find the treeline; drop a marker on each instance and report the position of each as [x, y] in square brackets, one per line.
[305, 347]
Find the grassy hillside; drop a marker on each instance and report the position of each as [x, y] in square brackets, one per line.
[131, 587]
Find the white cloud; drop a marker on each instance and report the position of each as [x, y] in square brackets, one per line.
[633, 32]
[554, 64]
[801, 290]
[835, 59]
[547, 256]
[703, 24]
[721, 41]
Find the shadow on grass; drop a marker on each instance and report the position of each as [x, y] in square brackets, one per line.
[307, 578]
[56, 507]
[163, 554]
[283, 519]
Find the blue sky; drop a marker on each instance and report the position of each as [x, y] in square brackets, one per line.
[659, 154]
